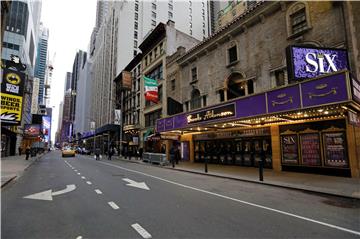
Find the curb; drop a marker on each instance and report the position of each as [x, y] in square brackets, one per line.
[249, 181]
[8, 181]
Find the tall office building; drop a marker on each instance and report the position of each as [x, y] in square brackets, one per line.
[20, 40]
[41, 60]
[136, 19]
[83, 98]
[79, 61]
[68, 81]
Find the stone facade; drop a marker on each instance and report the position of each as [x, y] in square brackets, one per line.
[260, 37]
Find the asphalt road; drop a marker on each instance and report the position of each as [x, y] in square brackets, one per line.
[104, 201]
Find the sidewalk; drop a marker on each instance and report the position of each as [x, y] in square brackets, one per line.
[331, 185]
[14, 166]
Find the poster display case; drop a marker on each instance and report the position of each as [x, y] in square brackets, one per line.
[289, 149]
[334, 145]
[310, 149]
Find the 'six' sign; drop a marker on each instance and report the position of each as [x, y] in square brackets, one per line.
[306, 62]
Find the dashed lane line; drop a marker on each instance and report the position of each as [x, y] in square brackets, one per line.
[83, 177]
[88, 182]
[78, 173]
[113, 205]
[98, 191]
[141, 231]
[240, 201]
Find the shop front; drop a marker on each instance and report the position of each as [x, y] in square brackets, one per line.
[301, 127]
[131, 139]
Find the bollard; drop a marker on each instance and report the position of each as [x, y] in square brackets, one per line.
[261, 169]
[206, 166]
[173, 163]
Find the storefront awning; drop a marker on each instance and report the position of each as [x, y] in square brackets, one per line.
[278, 105]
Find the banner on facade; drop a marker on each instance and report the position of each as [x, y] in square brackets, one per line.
[32, 130]
[151, 89]
[117, 120]
[12, 89]
[126, 80]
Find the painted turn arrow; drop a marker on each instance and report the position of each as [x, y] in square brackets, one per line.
[134, 184]
[47, 195]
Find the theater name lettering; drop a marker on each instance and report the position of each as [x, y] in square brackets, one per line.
[211, 114]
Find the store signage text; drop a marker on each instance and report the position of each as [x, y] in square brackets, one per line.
[317, 62]
[211, 114]
[310, 62]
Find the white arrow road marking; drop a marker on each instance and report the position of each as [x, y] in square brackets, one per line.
[98, 191]
[113, 205]
[134, 184]
[47, 195]
[238, 200]
[88, 182]
[141, 230]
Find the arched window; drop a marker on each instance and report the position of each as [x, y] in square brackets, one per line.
[195, 101]
[236, 86]
[298, 19]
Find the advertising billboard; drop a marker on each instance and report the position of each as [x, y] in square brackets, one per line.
[310, 62]
[32, 130]
[12, 89]
[46, 127]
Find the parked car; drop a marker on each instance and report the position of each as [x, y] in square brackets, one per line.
[68, 152]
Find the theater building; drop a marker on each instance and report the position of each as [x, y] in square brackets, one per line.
[275, 83]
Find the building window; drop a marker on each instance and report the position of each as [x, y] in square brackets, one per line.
[298, 19]
[161, 48]
[135, 53]
[155, 52]
[136, 7]
[153, 14]
[150, 56]
[153, 23]
[280, 77]
[136, 16]
[136, 25]
[250, 86]
[170, 6]
[204, 100]
[160, 93]
[221, 95]
[135, 34]
[153, 6]
[173, 84]
[194, 74]
[170, 15]
[232, 54]
[135, 44]
[187, 106]
[151, 118]
[195, 101]
[190, 32]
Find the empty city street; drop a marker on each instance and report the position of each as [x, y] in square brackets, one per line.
[78, 197]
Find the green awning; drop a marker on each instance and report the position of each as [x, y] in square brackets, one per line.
[147, 133]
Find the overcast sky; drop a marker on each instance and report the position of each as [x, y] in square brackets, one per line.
[70, 24]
